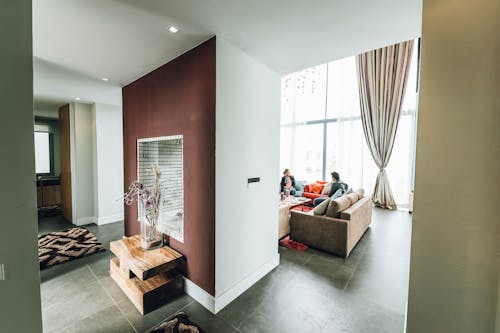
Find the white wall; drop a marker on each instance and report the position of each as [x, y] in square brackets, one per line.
[108, 163]
[454, 268]
[82, 163]
[20, 291]
[247, 145]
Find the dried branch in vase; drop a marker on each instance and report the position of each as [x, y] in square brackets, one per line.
[149, 199]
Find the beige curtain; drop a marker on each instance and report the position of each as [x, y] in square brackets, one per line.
[382, 76]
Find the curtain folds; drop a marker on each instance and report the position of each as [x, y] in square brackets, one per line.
[382, 76]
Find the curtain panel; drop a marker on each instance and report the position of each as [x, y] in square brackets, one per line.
[382, 77]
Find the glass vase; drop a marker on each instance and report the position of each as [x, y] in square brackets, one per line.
[151, 238]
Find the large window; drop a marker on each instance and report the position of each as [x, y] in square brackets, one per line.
[42, 153]
[321, 128]
[44, 149]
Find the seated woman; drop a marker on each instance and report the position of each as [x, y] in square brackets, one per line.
[287, 182]
[337, 188]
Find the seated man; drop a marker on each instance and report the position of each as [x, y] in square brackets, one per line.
[337, 188]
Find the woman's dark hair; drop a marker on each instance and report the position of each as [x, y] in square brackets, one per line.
[286, 170]
[336, 175]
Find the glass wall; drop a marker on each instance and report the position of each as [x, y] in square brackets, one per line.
[321, 128]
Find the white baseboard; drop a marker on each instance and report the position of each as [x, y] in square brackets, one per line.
[232, 293]
[86, 220]
[110, 219]
[215, 304]
[200, 295]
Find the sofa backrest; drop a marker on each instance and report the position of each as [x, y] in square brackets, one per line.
[337, 206]
[299, 185]
[361, 204]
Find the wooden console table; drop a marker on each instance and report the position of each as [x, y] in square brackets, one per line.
[148, 278]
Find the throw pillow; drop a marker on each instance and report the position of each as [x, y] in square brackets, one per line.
[322, 182]
[326, 189]
[337, 205]
[353, 197]
[360, 192]
[321, 208]
[317, 188]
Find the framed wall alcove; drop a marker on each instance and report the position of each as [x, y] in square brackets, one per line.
[167, 152]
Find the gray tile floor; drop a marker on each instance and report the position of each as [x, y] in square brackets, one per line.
[309, 291]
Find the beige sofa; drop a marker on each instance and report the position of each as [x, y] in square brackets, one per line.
[334, 226]
[284, 221]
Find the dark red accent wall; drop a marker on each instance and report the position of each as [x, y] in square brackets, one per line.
[179, 98]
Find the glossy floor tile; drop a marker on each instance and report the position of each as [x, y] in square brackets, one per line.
[309, 291]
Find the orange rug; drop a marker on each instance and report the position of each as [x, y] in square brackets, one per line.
[291, 244]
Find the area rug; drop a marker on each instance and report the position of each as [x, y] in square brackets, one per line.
[177, 324]
[302, 208]
[291, 244]
[59, 247]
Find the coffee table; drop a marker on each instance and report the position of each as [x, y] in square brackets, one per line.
[284, 213]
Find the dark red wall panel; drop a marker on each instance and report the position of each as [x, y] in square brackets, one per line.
[179, 98]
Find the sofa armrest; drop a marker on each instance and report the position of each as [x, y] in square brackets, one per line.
[360, 217]
[323, 232]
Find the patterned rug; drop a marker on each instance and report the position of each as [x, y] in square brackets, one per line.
[179, 323]
[70, 244]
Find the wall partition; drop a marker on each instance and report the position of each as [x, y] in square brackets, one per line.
[321, 128]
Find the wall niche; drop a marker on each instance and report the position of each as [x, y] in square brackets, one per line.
[167, 152]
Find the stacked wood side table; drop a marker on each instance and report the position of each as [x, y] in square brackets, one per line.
[148, 278]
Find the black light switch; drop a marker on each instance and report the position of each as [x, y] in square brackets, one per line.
[253, 180]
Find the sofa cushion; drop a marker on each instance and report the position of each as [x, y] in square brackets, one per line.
[321, 208]
[353, 197]
[337, 205]
[317, 188]
[326, 189]
[310, 195]
[299, 185]
[360, 192]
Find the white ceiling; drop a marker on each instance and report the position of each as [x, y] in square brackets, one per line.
[125, 39]
[55, 85]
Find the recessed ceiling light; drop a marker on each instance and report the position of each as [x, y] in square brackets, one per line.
[173, 29]
[77, 98]
[105, 79]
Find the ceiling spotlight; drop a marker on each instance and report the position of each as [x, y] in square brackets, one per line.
[77, 98]
[105, 79]
[173, 29]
